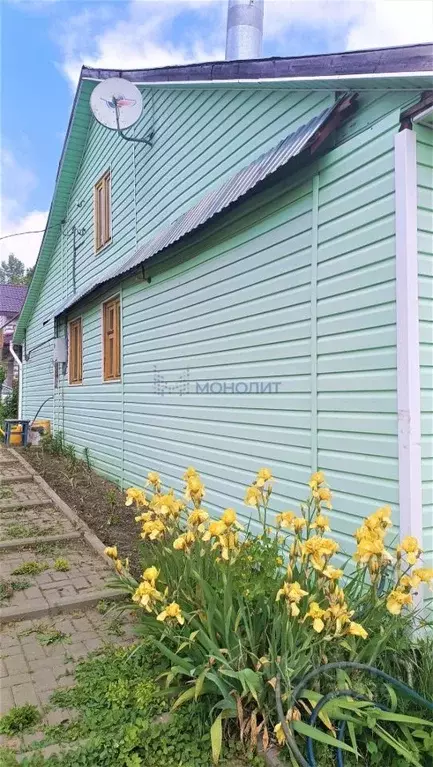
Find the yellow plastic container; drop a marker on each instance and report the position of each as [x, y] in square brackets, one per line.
[16, 435]
[43, 425]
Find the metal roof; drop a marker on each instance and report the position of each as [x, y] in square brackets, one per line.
[218, 200]
[401, 59]
[12, 298]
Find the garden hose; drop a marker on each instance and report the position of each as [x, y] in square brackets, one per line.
[288, 727]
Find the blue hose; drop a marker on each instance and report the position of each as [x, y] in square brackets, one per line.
[297, 694]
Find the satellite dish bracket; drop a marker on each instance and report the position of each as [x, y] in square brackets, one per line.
[146, 140]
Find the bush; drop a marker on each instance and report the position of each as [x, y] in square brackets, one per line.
[232, 621]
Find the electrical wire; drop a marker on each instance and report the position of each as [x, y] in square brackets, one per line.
[34, 231]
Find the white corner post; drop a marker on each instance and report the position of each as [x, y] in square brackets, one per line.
[408, 366]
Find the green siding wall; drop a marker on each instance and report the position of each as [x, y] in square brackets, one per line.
[296, 286]
[237, 305]
[425, 272]
[201, 137]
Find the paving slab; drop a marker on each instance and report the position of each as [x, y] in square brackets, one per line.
[32, 522]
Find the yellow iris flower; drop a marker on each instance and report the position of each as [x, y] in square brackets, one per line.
[172, 611]
[397, 600]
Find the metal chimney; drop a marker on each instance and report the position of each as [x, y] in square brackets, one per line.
[244, 29]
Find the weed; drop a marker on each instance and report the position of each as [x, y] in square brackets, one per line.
[102, 606]
[7, 757]
[5, 492]
[6, 591]
[113, 518]
[86, 458]
[7, 588]
[20, 585]
[18, 719]
[52, 636]
[61, 565]
[17, 530]
[31, 568]
[115, 628]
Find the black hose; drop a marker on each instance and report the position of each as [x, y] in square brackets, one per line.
[39, 410]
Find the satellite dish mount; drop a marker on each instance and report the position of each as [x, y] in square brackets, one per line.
[117, 104]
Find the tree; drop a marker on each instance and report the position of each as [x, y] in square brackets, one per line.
[14, 272]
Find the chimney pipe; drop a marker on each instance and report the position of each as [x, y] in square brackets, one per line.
[244, 29]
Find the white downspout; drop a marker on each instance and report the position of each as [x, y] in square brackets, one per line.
[20, 379]
[408, 365]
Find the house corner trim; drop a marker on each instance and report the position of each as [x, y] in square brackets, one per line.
[408, 366]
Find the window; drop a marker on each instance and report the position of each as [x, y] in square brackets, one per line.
[102, 211]
[75, 352]
[111, 338]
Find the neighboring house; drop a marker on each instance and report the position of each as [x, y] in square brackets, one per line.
[244, 292]
[12, 298]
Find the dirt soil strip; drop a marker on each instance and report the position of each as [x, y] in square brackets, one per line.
[97, 501]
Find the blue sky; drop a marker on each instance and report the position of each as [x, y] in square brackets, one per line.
[44, 43]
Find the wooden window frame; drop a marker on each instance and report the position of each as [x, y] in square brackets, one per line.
[112, 339]
[75, 352]
[102, 211]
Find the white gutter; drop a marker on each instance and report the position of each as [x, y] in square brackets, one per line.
[422, 115]
[408, 364]
[20, 378]
[265, 80]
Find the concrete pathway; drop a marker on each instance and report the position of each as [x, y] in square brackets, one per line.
[53, 587]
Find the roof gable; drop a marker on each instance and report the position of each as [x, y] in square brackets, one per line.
[412, 62]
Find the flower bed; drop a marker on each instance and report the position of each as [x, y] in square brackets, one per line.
[238, 614]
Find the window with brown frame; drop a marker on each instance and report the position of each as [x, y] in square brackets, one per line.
[111, 338]
[102, 211]
[75, 352]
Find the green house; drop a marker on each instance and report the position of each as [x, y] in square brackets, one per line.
[252, 286]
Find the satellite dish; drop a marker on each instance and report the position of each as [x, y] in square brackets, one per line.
[120, 93]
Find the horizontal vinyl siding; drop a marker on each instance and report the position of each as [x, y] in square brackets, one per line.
[425, 287]
[91, 412]
[38, 371]
[238, 311]
[201, 138]
[356, 345]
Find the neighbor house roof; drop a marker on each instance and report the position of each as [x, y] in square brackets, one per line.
[407, 68]
[12, 298]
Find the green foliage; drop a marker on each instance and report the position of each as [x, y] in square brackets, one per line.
[230, 620]
[9, 406]
[122, 717]
[31, 568]
[61, 565]
[18, 719]
[7, 757]
[13, 271]
[53, 444]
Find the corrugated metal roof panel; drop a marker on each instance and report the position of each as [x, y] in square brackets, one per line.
[215, 201]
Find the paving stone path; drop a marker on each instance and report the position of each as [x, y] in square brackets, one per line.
[37, 529]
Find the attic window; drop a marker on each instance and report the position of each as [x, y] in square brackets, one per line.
[102, 211]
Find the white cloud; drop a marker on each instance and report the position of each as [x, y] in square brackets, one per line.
[143, 38]
[25, 247]
[18, 182]
[392, 22]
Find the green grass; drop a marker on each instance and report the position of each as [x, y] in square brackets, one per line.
[19, 719]
[31, 568]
